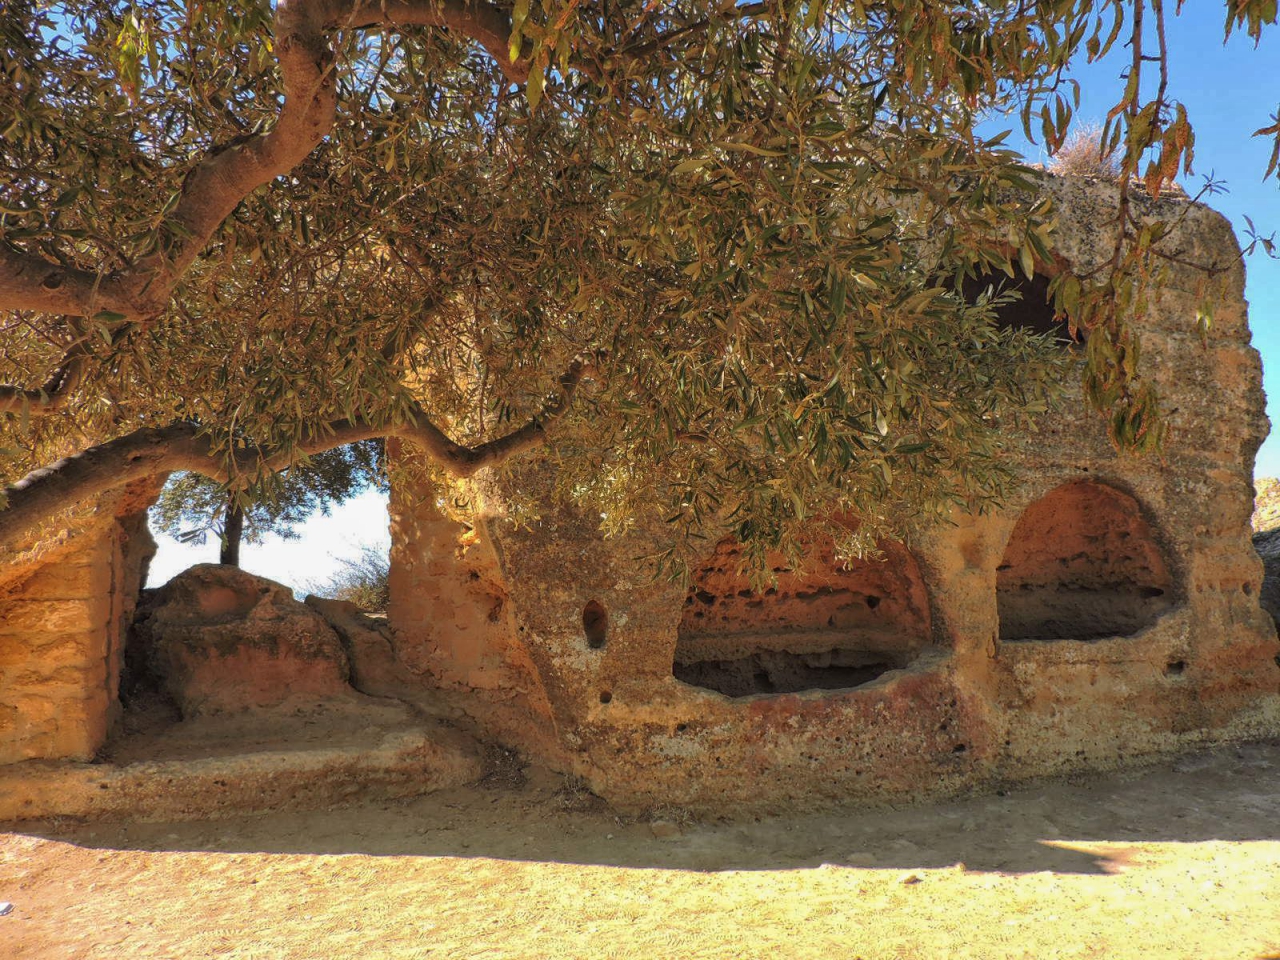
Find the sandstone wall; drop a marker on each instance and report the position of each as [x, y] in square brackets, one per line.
[65, 606]
[1108, 610]
[453, 627]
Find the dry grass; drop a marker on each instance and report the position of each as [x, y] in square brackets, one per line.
[1081, 156]
[362, 581]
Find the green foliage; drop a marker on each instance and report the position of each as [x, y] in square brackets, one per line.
[754, 218]
[192, 506]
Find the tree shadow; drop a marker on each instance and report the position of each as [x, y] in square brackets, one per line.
[1096, 826]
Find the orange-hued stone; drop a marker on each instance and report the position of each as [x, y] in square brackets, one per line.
[1107, 609]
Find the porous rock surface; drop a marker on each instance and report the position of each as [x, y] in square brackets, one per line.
[1266, 540]
[66, 600]
[219, 640]
[1109, 609]
[366, 641]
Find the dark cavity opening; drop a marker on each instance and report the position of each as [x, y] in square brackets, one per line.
[1175, 668]
[595, 624]
[1029, 308]
[1081, 564]
[769, 671]
[833, 627]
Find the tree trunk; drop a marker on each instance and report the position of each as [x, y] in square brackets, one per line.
[232, 534]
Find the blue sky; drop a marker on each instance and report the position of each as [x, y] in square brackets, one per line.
[323, 542]
[1229, 91]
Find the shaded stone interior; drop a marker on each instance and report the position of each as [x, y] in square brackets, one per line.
[769, 671]
[595, 624]
[1081, 564]
[831, 627]
[1032, 311]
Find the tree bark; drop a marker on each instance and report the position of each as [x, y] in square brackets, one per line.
[232, 533]
[152, 451]
[304, 46]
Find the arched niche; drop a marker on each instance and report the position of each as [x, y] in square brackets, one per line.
[1081, 564]
[1030, 310]
[834, 627]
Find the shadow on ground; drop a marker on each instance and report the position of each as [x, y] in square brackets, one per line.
[1085, 826]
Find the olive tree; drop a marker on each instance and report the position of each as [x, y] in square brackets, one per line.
[192, 506]
[707, 254]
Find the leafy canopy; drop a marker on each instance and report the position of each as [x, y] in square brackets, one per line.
[709, 251]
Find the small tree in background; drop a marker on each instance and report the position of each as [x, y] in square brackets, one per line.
[192, 506]
[363, 581]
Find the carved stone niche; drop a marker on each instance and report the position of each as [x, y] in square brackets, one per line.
[1082, 564]
[831, 626]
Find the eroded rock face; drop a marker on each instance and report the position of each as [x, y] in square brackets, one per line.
[1107, 609]
[375, 668]
[1082, 564]
[65, 605]
[831, 626]
[219, 640]
[1266, 540]
[1267, 543]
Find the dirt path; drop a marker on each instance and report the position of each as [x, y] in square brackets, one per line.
[1179, 861]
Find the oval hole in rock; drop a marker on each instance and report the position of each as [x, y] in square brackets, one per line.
[1175, 668]
[605, 696]
[595, 624]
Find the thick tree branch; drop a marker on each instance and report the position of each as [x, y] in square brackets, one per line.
[227, 174]
[28, 282]
[51, 395]
[487, 24]
[181, 446]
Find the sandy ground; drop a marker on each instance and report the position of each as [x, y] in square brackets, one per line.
[1181, 860]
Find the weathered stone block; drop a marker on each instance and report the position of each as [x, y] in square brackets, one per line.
[1108, 609]
[222, 640]
[77, 580]
[367, 642]
[37, 618]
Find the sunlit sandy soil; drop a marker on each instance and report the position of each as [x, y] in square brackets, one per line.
[1182, 860]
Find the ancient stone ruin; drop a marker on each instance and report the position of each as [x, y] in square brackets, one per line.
[1108, 610]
